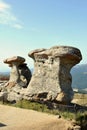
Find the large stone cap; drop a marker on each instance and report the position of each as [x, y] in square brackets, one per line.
[32, 53]
[65, 52]
[14, 59]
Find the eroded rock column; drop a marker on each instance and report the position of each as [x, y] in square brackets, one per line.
[20, 76]
[14, 62]
[51, 79]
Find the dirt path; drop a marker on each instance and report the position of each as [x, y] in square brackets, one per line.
[12, 118]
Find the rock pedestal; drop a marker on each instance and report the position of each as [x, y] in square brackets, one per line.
[51, 79]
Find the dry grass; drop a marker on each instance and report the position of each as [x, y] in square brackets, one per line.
[80, 99]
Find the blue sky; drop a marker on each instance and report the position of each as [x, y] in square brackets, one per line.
[29, 24]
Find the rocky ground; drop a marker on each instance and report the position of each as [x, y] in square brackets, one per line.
[12, 118]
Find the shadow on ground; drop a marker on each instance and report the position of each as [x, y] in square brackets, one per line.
[2, 125]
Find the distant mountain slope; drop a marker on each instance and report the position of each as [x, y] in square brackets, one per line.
[79, 76]
[4, 75]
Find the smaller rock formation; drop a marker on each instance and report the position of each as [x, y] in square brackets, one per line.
[14, 62]
[51, 79]
[20, 76]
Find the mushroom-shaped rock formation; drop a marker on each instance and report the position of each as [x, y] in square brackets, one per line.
[51, 78]
[17, 71]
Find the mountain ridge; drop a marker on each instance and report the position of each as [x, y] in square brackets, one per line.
[79, 76]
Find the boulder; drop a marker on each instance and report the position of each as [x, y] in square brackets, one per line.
[13, 96]
[77, 127]
[3, 96]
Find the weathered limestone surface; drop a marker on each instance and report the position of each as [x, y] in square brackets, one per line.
[51, 79]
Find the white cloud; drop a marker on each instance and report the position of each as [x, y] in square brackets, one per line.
[3, 6]
[18, 26]
[35, 30]
[7, 17]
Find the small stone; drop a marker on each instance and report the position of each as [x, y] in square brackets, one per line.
[58, 116]
[70, 128]
[77, 127]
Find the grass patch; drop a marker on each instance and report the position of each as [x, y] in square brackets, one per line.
[44, 108]
[81, 118]
[81, 99]
[68, 115]
[31, 105]
[35, 106]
